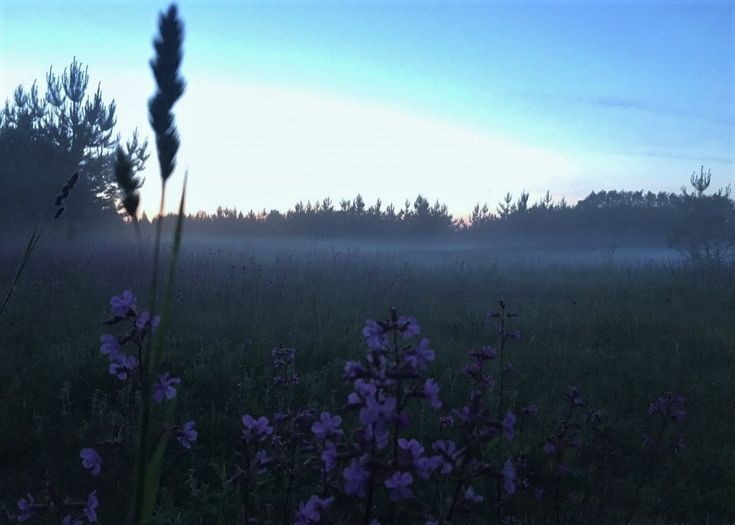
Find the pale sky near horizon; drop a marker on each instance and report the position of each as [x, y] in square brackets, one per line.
[458, 101]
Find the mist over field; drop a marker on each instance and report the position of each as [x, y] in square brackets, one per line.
[346, 263]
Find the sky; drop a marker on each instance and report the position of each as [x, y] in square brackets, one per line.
[459, 101]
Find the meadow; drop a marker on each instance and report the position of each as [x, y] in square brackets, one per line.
[523, 367]
[623, 332]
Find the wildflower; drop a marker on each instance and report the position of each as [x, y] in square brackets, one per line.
[549, 448]
[408, 326]
[670, 406]
[374, 334]
[353, 369]
[90, 510]
[538, 494]
[283, 356]
[255, 428]
[399, 485]
[262, 461]
[27, 508]
[310, 512]
[469, 495]
[446, 421]
[143, 321]
[448, 457]
[472, 368]
[356, 478]
[327, 426]
[420, 357]
[431, 391]
[375, 410]
[110, 346]
[426, 465]
[488, 353]
[123, 366]
[363, 390]
[187, 434]
[164, 388]
[508, 425]
[509, 477]
[411, 446]
[121, 305]
[329, 456]
[464, 414]
[91, 461]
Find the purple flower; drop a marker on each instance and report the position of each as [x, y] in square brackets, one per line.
[353, 369]
[469, 495]
[431, 391]
[464, 414]
[164, 388]
[487, 353]
[549, 448]
[143, 321]
[363, 390]
[255, 428]
[420, 357]
[508, 425]
[670, 406]
[411, 446]
[310, 512]
[408, 326]
[374, 334]
[329, 456]
[509, 477]
[90, 510]
[110, 346]
[262, 461]
[283, 356]
[355, 477]
[123, 366]
[121, 305]
[374, 410]
[91, 461]
[327, 426]
[68, 520]
[425, 465]
[27, 508]
[447, 450]
[187, 434]
[399, 485]
[538, 494]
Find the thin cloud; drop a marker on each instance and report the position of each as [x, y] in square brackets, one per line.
[629, 104]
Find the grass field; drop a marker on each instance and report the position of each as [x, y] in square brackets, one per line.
[623, 332]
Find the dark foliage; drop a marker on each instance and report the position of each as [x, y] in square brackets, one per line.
[45, 137]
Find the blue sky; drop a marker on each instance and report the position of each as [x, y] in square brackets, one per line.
[460, 101]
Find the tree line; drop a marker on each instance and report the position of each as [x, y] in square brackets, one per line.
[69, 128]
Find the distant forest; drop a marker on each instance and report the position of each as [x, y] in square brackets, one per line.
[45, 138]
